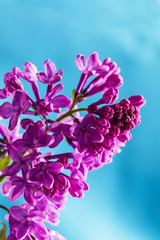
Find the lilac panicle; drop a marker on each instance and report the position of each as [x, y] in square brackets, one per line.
[46, 180]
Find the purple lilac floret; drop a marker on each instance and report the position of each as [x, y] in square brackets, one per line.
[45, 180]
[20, 105]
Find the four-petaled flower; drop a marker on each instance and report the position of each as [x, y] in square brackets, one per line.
[20, 105]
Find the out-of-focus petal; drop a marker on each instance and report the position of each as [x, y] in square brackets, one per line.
[18, 213]
[21, 145]
[12, 169]
[23, 229]
[7, 110]
[15, 193]
[13, 121]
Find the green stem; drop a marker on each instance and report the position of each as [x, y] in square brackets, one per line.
[5, 208]
[71, 113]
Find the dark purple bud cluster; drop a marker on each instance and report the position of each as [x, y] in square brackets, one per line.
[94, 138]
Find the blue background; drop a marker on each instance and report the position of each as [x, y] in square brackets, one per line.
[124, 200]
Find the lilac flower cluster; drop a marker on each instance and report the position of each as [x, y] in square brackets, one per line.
[95, 138]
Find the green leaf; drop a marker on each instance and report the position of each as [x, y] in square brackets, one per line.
[3, 230]
[4, 162]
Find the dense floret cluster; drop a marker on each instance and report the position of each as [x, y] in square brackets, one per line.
[94, 137]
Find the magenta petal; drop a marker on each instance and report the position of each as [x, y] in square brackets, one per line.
[25, 122]
[47, 180]
[40, 228]
[29, 67]
[13, 121]
[42, 205]
[95, 136]
[11, 237]
[6, 188]
[14, 154]
[4, 93]
[18, 213]
[85, 186]
[42, 77]
[43, 140]
[92, 61]
[37, 215]
[29, 196]
[15, 193]
[7, 110]
[12, 169]
[84, 143]
[19, 98]
[80, 62]
[114, 81]
[50, 68]
[26, 106]
[137, 100]
[21, 145]
[58, 137]
[31, 134]
[35, 174]
[55, 91]
[55, 167]
[102, 68]
[60, 101]
[23, 229]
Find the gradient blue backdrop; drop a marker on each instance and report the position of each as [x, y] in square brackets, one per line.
[124, 200]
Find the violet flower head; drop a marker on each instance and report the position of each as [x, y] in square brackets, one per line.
[19, 162]
[50, 76]
[88, 66]
[51, 214]
[30, 72]
[32, 140]
[20, 105]
[86, 134]
[44, 172]
[59, 130]
[91, 66]
[51, 102]
[22, 186]
[46, 180]
[28, 222]
[77, 187]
